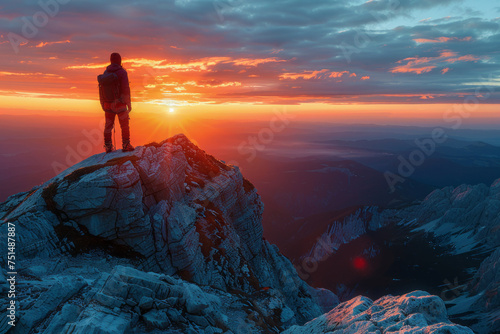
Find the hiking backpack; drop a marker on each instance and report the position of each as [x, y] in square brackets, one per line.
[109, 88]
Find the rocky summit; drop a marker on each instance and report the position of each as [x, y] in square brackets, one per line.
[168, 239]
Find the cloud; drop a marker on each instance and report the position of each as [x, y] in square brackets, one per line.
[203, 64]
[36, 74]
[254, 50]
[339, 74]
[421, 65]
[464, 58]
[442, 39]
[408, 69]
[405, 4]
[316, 75]
[43, 44]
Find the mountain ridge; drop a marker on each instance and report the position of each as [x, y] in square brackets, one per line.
[163, 238]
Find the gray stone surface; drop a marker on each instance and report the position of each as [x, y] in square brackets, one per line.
[167, 239]
[467, 218]
[412, 313]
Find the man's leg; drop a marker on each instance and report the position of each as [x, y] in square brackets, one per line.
[108, 128]
[124, 124]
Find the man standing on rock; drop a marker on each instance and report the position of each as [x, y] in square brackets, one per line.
[114, 95]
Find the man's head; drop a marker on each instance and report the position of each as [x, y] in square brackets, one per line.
[115, 58]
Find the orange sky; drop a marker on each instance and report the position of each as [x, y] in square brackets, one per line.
[216, 80]
[340, 62]
[402, 114]
[231, 87]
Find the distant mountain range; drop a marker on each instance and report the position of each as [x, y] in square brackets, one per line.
[451, 163]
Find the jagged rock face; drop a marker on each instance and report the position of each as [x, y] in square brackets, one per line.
[464, 209]
[467, 218]
[171, 207]
[128, 301]
[169, 239]
[484, 299]
[487, 278]
[415, 312]
[119, 299]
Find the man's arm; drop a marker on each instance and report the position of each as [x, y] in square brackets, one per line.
[125, 90]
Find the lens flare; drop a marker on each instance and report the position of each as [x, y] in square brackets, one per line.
[359, 263]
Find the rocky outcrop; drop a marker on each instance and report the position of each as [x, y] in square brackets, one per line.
[119, 300]
[114, 298]
[163, 239]
[463, 217]
[467, 219]
[487, 278]
[415, 312]
[461, 223]
[480, 305]
[169, 208]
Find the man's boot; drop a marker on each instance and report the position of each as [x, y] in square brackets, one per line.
[127, 147]
[108, 146]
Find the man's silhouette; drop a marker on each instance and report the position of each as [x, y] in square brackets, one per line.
[120, 105]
